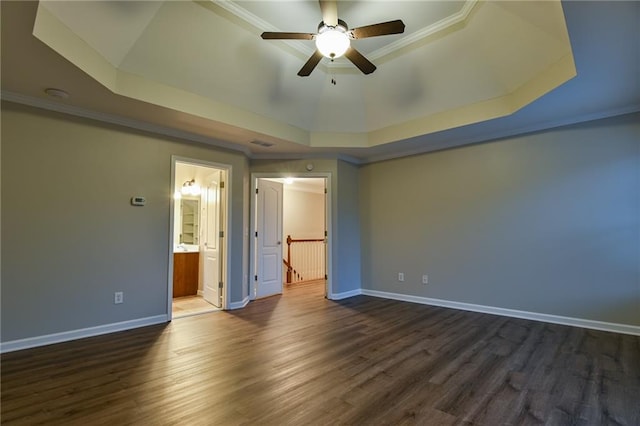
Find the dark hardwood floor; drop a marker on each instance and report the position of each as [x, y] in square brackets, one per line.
[300, 359]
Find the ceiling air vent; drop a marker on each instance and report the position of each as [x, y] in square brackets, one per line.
[264, 144]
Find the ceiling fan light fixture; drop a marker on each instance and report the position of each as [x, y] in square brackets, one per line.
[333, 42]
[333, 39]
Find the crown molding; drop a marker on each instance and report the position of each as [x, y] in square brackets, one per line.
[261, 25]
[426, 148]
[425, 32]
[307, 156]
[501, 134]
[118, 120]
[76, 111]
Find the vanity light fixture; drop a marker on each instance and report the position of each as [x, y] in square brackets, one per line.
[190, 187]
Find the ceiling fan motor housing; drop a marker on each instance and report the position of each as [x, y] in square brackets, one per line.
[341, 24]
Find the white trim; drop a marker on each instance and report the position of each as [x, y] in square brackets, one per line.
[227, 170]
[436, 27]
[252, 226]
[555, 319]
[239, 305]
[172, 218]
[345, 294]
[65, 336]
[307, 48]
[119, 120]
[260, 24]
[307, 156]
[398, 152]
[496, 135]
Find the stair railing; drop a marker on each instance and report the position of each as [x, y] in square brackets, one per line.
[305, 259]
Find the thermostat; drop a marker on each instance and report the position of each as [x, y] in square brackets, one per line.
[138, 201]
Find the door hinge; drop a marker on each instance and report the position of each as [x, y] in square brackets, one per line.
[256, 190]
[325, 190]
[222, 185]
[255, 278]
[325, 234]
[326, 277]
[256, 234]
[220, 285]
[221, 234]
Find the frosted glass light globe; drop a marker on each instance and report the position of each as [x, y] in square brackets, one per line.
[333, 42]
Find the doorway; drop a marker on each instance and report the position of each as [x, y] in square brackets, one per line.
[291, 230]
[198, 261]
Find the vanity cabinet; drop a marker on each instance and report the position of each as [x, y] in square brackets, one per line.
[185, 274]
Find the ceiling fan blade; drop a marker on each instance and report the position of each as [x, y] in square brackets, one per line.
[383, 28]
[310, 65]
[329, 10]
[286, 36]
[360, 61]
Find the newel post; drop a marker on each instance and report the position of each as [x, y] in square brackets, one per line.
[288, 259]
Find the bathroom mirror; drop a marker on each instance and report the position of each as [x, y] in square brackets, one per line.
[190, 220]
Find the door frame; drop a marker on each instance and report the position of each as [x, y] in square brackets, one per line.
[225, 265]
[328, 219]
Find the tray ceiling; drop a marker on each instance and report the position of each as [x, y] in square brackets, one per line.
[463, 72]
[457, 63]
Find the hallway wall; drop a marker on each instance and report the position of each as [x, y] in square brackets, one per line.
[302, 214]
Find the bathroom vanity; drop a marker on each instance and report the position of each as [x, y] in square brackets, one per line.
[185, 271]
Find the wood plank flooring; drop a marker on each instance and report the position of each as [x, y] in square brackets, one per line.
[299, 359]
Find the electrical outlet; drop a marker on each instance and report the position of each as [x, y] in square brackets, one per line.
[425, 279]
[400, 276]
[118, 297]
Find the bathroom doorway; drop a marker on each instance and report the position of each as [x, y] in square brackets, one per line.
[198, 261]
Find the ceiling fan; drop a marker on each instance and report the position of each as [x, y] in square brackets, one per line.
[333, 38]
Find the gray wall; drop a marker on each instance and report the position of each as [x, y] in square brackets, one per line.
[344, 205]
[348, 247]
[547, 222]
[70, 237]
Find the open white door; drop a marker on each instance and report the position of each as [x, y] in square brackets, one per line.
[212, 291]
[269, 238]
[326, 240]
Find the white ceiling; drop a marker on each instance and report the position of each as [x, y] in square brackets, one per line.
[463, 72]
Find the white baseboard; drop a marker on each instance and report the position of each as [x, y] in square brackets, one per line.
[65, 336]
[345, 295]
[555, 319]
[239, 305]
